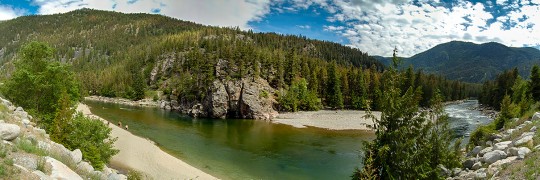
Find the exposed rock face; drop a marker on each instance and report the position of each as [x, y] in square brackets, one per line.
[237, 99]
[9, 131]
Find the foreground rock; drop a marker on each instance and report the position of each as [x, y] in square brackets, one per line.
[60, 170]
[9, 131]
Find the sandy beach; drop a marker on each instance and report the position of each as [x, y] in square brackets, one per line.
[143, 155]
[327, 119]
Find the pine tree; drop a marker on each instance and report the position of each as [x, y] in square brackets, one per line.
[534, 84]
[335, 97]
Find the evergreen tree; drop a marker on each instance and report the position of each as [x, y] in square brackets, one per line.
[334, 97]
[535, 83]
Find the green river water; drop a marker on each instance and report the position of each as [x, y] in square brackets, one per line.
[243, 149]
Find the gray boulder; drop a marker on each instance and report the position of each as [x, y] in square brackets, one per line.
[524, 139]
[468, 164]
[485, 150]
[502, 145]
[76, 155]
[510, 131]
[475, 151]
[513, 151]
[9, 131]
[493, 156]
[522, 151]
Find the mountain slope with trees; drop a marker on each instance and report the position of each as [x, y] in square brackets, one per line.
[469, 62]
[209, 71]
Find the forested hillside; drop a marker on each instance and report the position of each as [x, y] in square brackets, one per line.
[469, 62]
[132, 55]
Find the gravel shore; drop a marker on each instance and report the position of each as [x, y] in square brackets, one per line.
[328, 119]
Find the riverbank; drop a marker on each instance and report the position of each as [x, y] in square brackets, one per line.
[328, 119]
[143, 155]
[123, 101]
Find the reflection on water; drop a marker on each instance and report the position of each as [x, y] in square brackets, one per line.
[464, 119]
[244, 149]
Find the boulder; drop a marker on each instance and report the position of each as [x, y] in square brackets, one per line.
[60, 170]
[475, 151]
[489, 143]
[85, 167]
[493, 156]
[524, 139]
[501, 162]
[468, 164]
[476, 166]
[502, 145]
[485, 150]
[76, 155]
[536, 116]
[113, 176]
[26, 121]
[41, 175]
[513, 151]
[522, 151]
[26, 161]
[9, 131]
[533, 129]
[456, 171]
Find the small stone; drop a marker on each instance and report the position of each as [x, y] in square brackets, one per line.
[85, 167]
[515, 119]
[536, 116]
[477, 166]
[468, 164]
[533, 129]
[481, 176]
[26, 121]
[485, 150]
[527, 122]
[522, 151]
[497, 140]
[489, 143]
[523, 140]
[76, 155]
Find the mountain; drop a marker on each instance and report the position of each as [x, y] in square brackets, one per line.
[469, 62]
[200, 70]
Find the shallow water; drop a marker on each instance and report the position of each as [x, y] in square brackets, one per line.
[244, 149]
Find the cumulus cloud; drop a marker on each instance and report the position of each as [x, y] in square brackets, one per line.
[377, 26]
[209, 12]
[7, 12]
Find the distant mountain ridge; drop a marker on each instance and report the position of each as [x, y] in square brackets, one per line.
[472, 62]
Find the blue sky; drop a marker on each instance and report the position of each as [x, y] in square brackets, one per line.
[373, 26]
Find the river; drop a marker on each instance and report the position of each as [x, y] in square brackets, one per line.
[248, 149]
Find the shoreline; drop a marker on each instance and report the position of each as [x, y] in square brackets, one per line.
[143, 155]
[328, 119]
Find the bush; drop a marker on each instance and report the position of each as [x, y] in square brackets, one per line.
[481, 135]
[298, 97]
[91, 136]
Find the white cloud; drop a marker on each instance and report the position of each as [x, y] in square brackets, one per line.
[209, 12]
[7, 12]
[304, 26]
[377, 26]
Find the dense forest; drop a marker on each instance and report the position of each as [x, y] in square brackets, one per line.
[133, 55]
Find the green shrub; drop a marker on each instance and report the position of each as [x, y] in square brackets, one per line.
[30, 146]
[134, 175]
[298, 97]
[91, 136]
[481, 135]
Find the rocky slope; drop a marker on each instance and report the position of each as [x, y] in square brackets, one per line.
[510, 146]
[28, 152]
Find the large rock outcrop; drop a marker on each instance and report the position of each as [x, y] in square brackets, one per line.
[248, 98]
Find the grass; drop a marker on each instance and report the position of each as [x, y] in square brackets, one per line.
[134, 175]
[30, 146]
